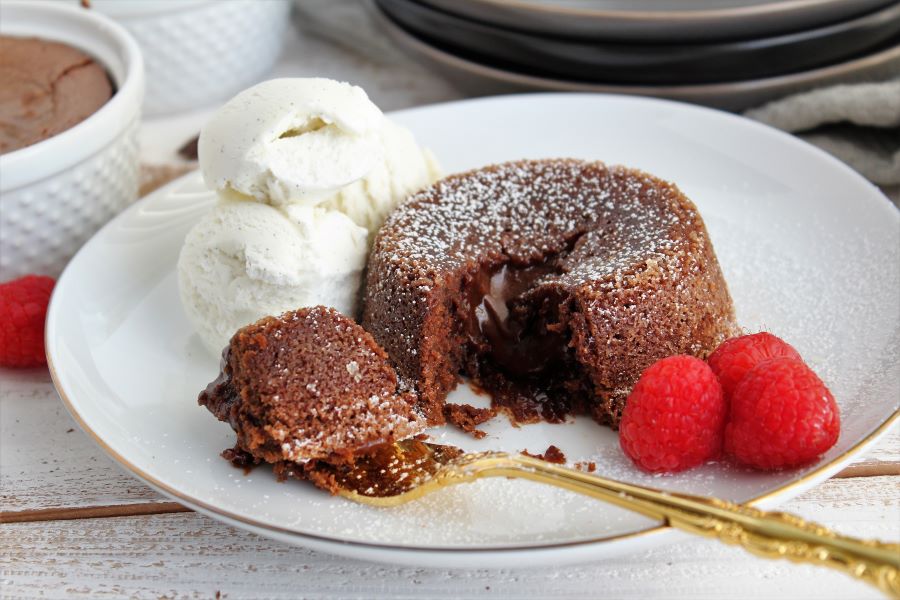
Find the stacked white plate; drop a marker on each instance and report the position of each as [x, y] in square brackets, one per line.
[727, 53]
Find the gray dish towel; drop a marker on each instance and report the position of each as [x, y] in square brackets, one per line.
[857, 123]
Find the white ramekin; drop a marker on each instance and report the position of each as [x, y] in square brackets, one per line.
[55, 194]
[200, 52]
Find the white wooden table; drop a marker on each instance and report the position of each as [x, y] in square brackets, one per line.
[75, 525]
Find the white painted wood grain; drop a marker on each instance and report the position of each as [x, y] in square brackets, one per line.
[46, 461]
[188, 555]
[888, 449]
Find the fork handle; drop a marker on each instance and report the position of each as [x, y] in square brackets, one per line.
[764, 533]
[783, 535]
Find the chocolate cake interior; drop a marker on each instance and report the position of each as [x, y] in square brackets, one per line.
[518, 343]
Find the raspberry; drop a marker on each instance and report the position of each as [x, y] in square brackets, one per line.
[782, 415]
[735, 357]
[23, 307]
[674, 417]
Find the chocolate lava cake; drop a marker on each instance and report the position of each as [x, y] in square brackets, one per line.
[550, 283]
[308, 385]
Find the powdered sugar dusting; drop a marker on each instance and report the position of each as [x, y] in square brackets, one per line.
[524, 212]
[835, 311]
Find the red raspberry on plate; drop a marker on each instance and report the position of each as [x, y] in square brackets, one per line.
[23, 307]
[674, 417]
[781, 415]
[736, 356]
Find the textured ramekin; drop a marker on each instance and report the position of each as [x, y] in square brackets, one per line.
[55, 194]
[199, 52]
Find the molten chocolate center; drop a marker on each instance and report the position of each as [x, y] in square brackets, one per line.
[520, 342]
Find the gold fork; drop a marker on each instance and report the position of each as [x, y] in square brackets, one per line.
[394, 474]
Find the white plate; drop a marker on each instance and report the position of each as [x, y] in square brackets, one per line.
[808, 247]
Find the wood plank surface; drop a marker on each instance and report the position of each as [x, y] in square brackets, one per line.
[191, 556]
[47, 462]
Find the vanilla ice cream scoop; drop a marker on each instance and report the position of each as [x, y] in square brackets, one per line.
[246, 260]
[305, 170]
[291, 140]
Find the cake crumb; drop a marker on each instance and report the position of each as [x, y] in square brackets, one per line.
[188, 151]
[590, 467]
[467, 417]
[552, 455]
[240, 459]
